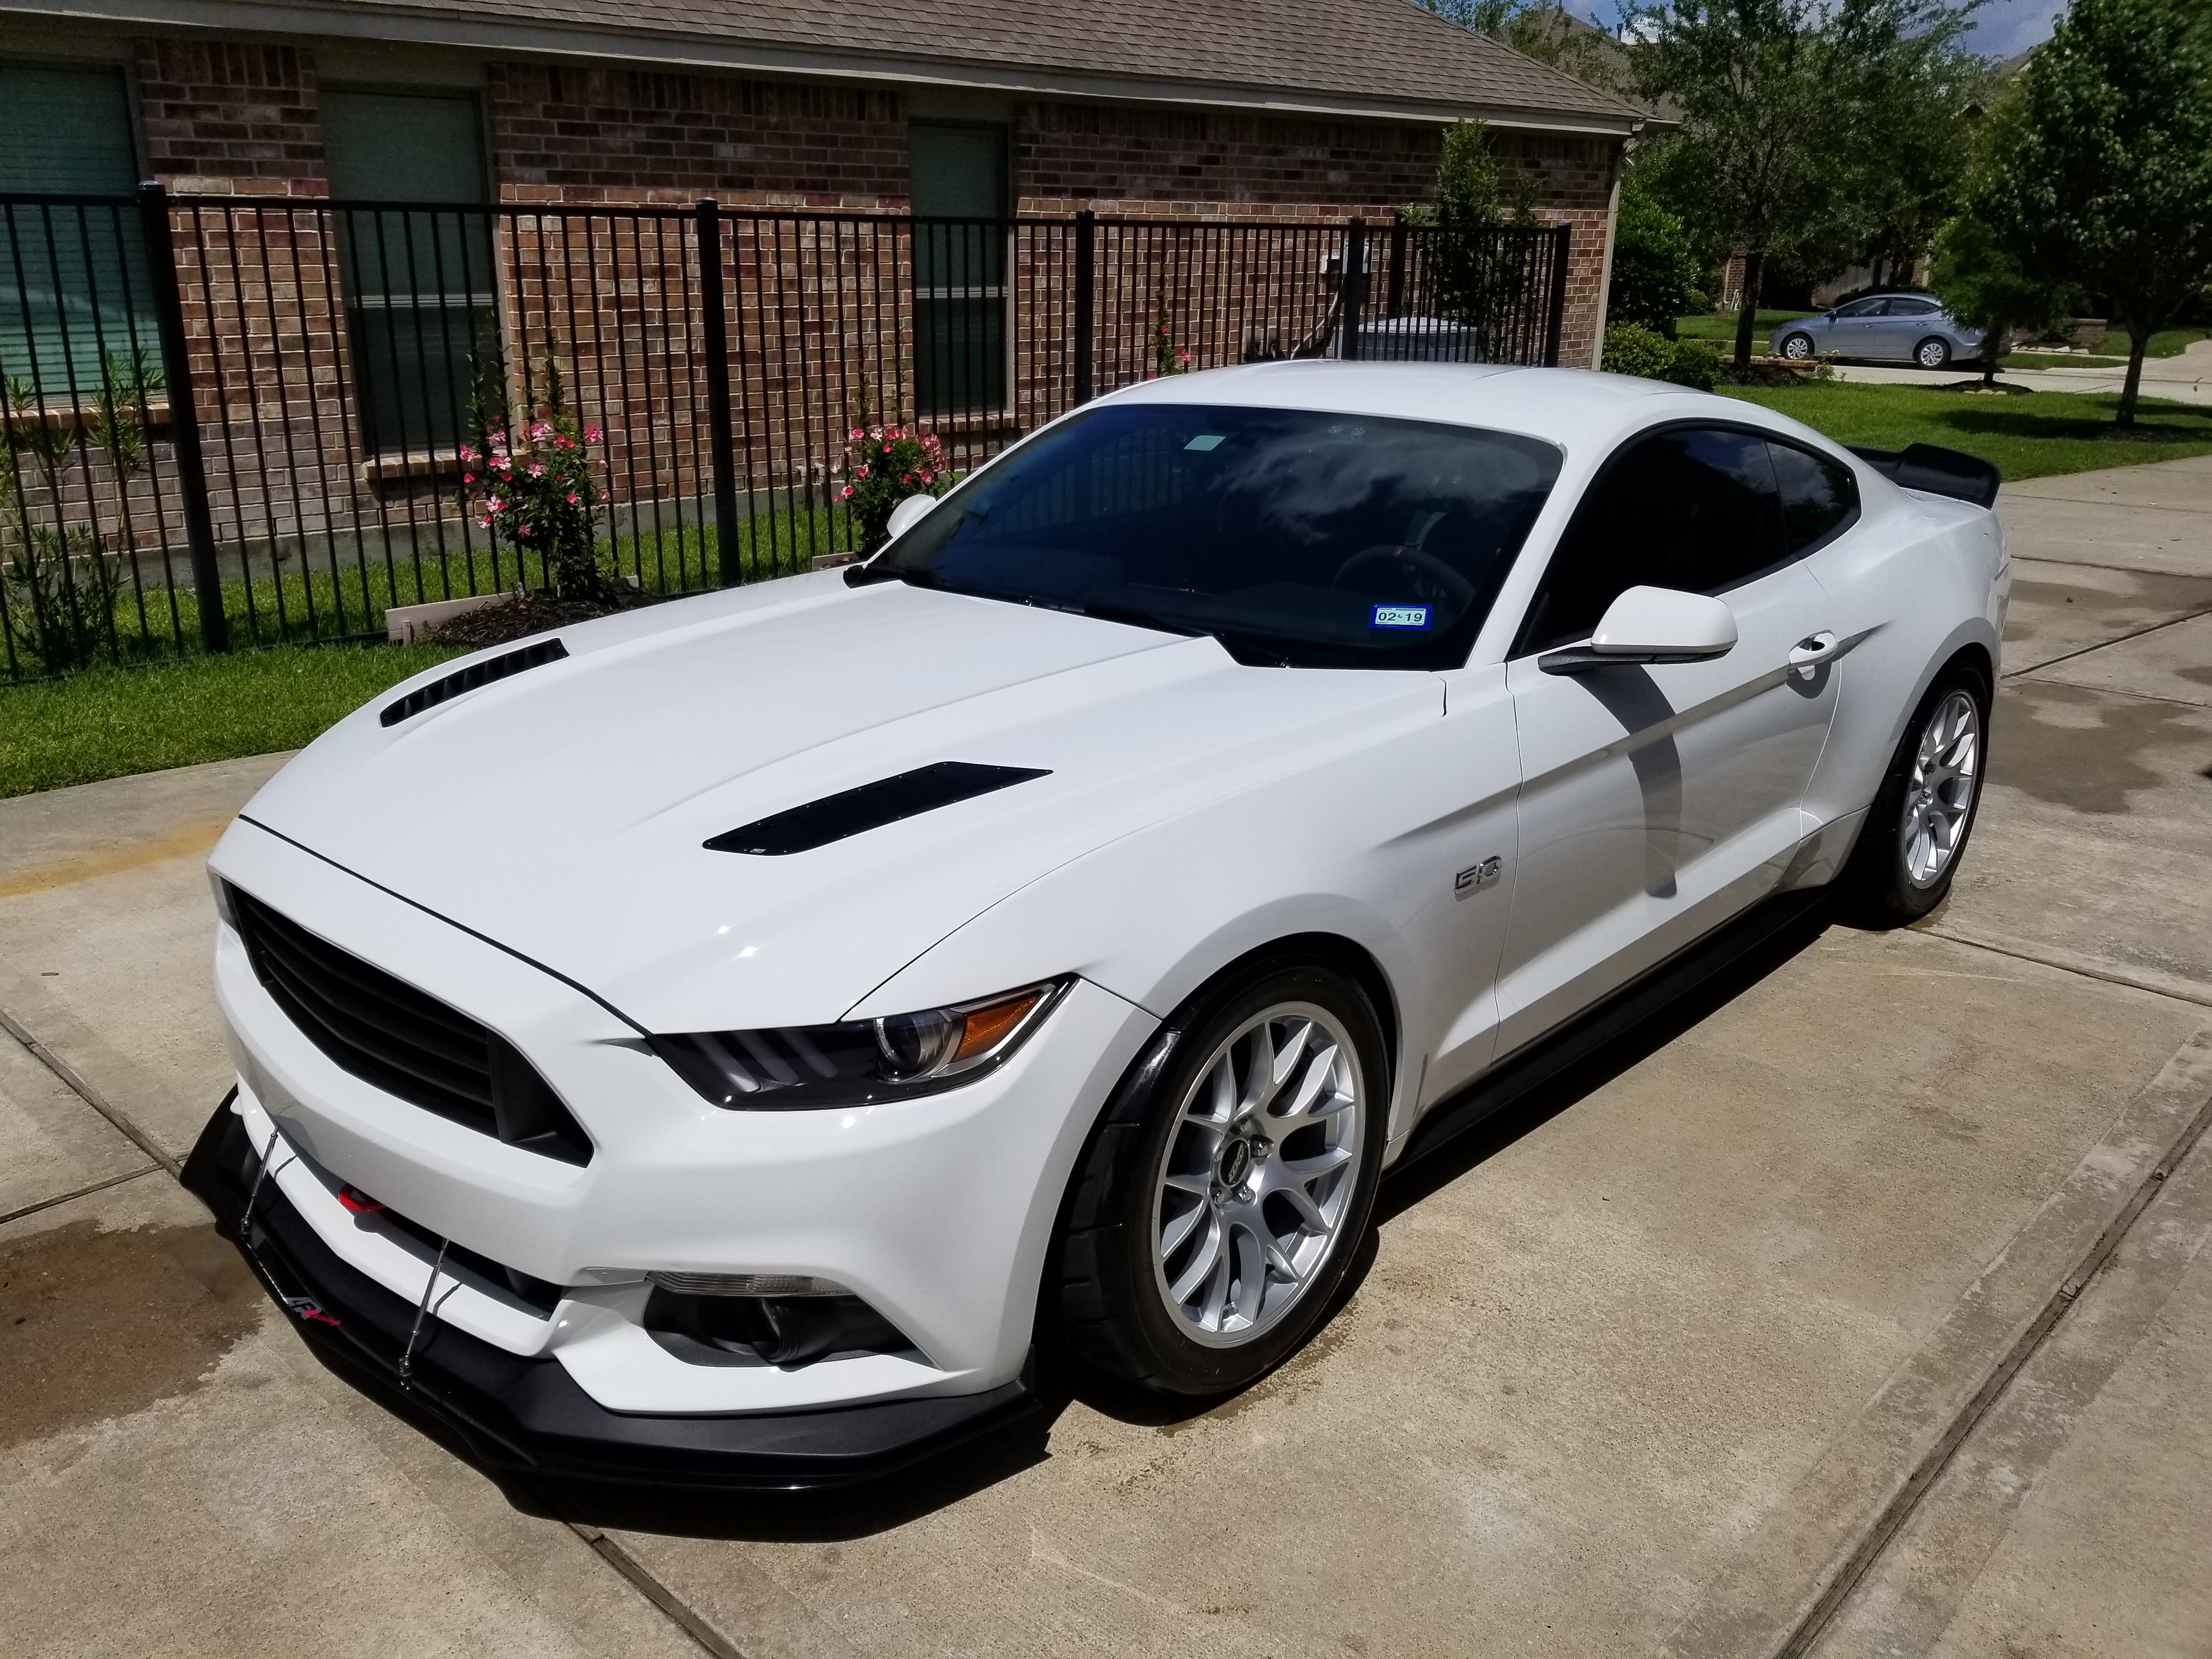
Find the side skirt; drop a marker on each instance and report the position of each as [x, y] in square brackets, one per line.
[1535, 1063]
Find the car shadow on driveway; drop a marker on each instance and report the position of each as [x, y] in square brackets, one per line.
[1522, 1097]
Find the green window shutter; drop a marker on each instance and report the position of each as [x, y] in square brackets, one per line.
[74, 292]
[419, 284]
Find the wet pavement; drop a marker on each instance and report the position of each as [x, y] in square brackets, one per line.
[1663, 1363]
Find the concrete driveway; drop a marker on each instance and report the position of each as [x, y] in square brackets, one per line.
[1863, 1308]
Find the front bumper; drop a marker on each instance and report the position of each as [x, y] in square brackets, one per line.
[525, 1414]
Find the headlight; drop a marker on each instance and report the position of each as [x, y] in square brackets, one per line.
[859, 1062]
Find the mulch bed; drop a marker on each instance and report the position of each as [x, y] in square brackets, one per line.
[525, 615]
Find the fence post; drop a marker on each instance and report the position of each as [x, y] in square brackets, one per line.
[1352, 287]
[1397, 301]
[1086, 233]
[184, 413]
[719, 437]
[1553, 327]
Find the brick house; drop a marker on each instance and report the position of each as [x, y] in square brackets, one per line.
[380, 214]
[1220, 109]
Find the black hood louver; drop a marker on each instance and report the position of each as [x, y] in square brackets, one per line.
[871, 806]
[468, 678]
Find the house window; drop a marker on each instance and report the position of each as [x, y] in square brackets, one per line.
[959, 188]
[421, 310]
[75, 296]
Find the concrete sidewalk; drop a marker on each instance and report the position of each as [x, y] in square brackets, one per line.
[1652, 1367]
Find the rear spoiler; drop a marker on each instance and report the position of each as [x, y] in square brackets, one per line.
[1935, 470]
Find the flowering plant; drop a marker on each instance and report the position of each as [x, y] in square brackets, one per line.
[1168, 358]
[540, 494]
[883, 466]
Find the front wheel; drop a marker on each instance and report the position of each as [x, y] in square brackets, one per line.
[1223, 1198]
[1916, 832]
[1797, 348]
[1932, 354]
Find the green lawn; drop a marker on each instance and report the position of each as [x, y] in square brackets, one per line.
[2029, 435]
[111, 722]
[1719, 326]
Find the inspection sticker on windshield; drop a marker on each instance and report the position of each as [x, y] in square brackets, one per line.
[1207, 441]
[1402, 616]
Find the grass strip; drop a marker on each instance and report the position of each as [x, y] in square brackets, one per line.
[2030, 434]
[111, 723]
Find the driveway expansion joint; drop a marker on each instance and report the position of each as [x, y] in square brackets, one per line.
[61, 1068]
[1789, 1583]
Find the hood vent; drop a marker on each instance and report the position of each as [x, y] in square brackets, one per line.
[871, 806]
[468, 678]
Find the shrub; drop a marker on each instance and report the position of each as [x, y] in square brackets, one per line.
[883, 465]
[1632, 349]
[1655, 272]
[540, 496]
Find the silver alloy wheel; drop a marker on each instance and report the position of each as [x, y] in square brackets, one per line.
[1940, 794]
[1796, 348]
[1258, 1173]
[1933, 353]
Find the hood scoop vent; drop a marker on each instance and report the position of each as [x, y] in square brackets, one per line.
[468, 678]
[871, 806]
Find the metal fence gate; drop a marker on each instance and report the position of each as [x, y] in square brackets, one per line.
[245, 420]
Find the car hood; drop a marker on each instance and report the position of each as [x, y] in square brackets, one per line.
[562, 811]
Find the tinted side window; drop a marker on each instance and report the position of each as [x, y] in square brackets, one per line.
[1690, 508]
[1819, 497]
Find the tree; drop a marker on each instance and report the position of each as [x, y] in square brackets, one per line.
[1545, 31]
[1655, 267]
[1776, 99]
[1982, 281]
[2100, 176]
[1914, 110]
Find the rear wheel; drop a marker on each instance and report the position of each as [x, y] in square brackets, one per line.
[1916, 832]
[1932, 353]
[1219, 1206]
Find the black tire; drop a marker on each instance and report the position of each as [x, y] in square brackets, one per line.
[1879, 885]
[1105, 1304]
[1797, 348]
[1932, 353]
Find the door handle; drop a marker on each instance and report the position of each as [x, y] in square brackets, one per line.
[1810, 653]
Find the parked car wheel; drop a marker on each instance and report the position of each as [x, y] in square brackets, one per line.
[1224, 1194]
[1916, 833]
[1797, 348]
[1932, 353]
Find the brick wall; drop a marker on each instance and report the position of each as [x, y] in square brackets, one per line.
[227, 119]
[620, 135]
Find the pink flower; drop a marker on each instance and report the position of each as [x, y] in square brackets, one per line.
[466, 453]
[590, 435]
[536, 471]
[539, 430]
[863, 471]
[846, 494]
[523, 531]
[468, 477]
[574, 498]
[496, 505]
[485, 521]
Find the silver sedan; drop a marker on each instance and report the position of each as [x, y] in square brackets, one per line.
[1906, 328]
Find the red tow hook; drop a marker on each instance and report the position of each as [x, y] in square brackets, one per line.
[357, 1200]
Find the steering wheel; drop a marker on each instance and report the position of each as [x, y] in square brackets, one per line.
[1428, 573]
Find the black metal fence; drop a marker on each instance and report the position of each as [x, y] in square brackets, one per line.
[235, 421]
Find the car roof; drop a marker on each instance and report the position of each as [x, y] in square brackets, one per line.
[1577, 409]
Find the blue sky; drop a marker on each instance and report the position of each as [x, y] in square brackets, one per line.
[2000, 29]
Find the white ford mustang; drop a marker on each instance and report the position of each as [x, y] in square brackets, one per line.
[720, 1043]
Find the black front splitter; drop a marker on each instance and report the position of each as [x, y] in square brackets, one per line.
[527, 1416]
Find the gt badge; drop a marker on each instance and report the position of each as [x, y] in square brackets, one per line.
[1476, 876]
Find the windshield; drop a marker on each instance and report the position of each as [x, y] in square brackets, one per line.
[1293, 536]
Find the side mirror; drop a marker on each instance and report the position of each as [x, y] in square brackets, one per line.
[1828, 316]
[1651, 625]
[907, 514]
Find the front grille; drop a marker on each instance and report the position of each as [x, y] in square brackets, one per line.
[408, 1043]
